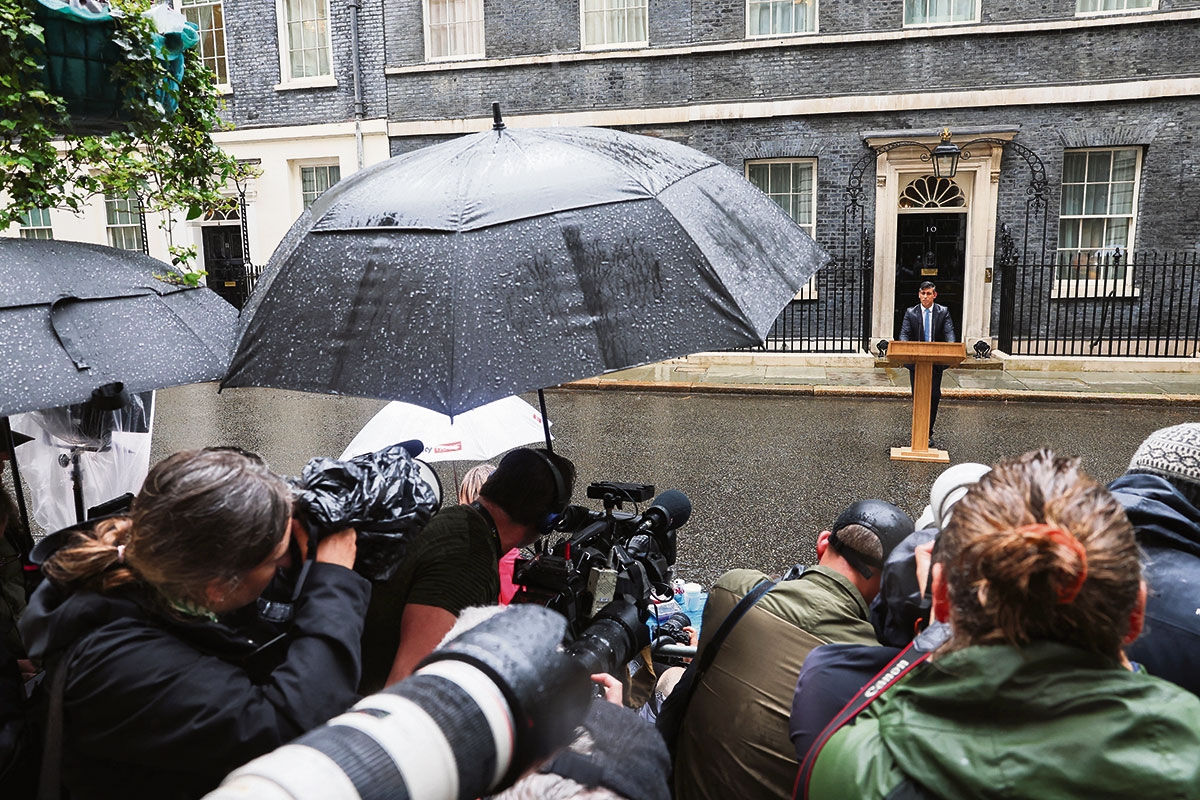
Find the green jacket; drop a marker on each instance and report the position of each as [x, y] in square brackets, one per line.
[733, 740]
[1045, 721]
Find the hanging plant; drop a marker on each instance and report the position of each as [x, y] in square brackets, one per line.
[145, 128]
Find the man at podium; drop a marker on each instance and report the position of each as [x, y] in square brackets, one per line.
[928, 322]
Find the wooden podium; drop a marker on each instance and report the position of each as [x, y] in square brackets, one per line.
[923, 355]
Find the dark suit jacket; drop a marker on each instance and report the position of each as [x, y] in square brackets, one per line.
[911, 330]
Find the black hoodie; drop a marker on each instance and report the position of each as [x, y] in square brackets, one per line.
[162, 706]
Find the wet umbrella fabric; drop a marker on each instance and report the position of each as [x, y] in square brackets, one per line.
[510, 260]
[475, 435]
[75, 316]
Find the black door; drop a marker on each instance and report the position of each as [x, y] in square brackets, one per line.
[225, 263]
[931, 247]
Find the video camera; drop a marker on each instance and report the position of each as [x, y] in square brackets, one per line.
[597, 565]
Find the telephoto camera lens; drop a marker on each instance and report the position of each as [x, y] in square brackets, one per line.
[478, 712]
[612, 640]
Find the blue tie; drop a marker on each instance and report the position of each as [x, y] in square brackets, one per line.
[928, 327]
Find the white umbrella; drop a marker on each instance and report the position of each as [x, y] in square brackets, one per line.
[475, 435]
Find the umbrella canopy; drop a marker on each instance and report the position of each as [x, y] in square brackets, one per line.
[75, 316]
[475, 435]
[510, 260]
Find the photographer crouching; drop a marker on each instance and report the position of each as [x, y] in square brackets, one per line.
[156, 696]
[454, 563]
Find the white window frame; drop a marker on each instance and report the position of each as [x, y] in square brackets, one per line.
[974, 20]
[809, 290]
[36, 224]
[1151, 6]
[475, 5]
[583, 42]
[208, 58]
[300, 166]
[286, 81]
[1100, 285]
[115, 206]
[816, 16]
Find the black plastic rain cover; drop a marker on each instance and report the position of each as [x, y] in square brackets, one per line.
[381, 495]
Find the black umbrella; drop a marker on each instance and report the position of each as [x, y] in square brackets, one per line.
[510, 260]
[75, 317]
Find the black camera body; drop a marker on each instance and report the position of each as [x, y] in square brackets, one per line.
[596, 558]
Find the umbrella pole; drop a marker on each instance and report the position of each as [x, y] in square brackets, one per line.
[545, 420]
[23, 539]
[77, 486]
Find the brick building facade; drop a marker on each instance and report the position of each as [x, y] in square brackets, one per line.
[793, 98]
[1101, 93]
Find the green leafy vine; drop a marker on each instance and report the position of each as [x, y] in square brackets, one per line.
[169, 160]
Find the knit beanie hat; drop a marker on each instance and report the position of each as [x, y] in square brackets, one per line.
[629, 756]
[1172, 453]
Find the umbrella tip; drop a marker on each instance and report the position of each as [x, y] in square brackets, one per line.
[497, 122]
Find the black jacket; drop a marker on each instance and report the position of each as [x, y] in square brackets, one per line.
[164, 707]
[912, 329]
[1168, 529]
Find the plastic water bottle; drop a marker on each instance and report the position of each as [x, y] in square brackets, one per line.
[677, 586]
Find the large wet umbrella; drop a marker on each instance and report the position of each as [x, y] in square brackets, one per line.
[511, 260]
[75, 317]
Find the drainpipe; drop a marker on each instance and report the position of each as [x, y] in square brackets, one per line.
[355, 7]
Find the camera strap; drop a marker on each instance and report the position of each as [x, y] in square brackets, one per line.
[487, 517]
[50, 780]
[905, 662]
[670, 718]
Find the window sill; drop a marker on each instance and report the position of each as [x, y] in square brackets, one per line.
[224, 89]
[1119, 12]
[1093, 290]
[759, 37]
[321, 82]
[592, 48]
[452, 59]
[920, 25]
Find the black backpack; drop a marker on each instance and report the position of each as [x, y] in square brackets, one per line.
[20, 744]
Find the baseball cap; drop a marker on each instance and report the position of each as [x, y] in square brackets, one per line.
[889, 524]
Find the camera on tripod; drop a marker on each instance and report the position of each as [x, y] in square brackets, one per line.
[598, 564]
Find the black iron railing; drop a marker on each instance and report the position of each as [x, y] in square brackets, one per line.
[831, 314]
[1142, 304]
[253, 273]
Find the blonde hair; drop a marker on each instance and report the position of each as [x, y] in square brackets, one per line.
[473, 481]
[200, 515]
[1037, 550]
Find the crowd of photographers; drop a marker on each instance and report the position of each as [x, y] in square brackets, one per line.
[1033, 634]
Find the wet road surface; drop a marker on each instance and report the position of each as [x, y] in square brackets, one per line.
[765, 474]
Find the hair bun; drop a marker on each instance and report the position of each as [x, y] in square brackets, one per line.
[1062, 540]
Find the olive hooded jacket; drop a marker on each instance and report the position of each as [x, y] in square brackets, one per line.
[1046, 721]
[733, 741]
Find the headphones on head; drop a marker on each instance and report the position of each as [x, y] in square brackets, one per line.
[561, 498]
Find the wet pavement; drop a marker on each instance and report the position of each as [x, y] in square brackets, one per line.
[765, 472]
[1139, 381]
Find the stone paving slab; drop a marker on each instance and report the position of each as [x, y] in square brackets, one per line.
[1126, 386]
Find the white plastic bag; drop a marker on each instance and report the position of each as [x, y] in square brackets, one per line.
[112, 448]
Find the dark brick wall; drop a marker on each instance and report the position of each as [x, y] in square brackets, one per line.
[1170, 167]
[523, 28]
[907, 65]
[252, 44]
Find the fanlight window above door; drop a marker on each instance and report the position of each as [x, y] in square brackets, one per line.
[931, 192]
